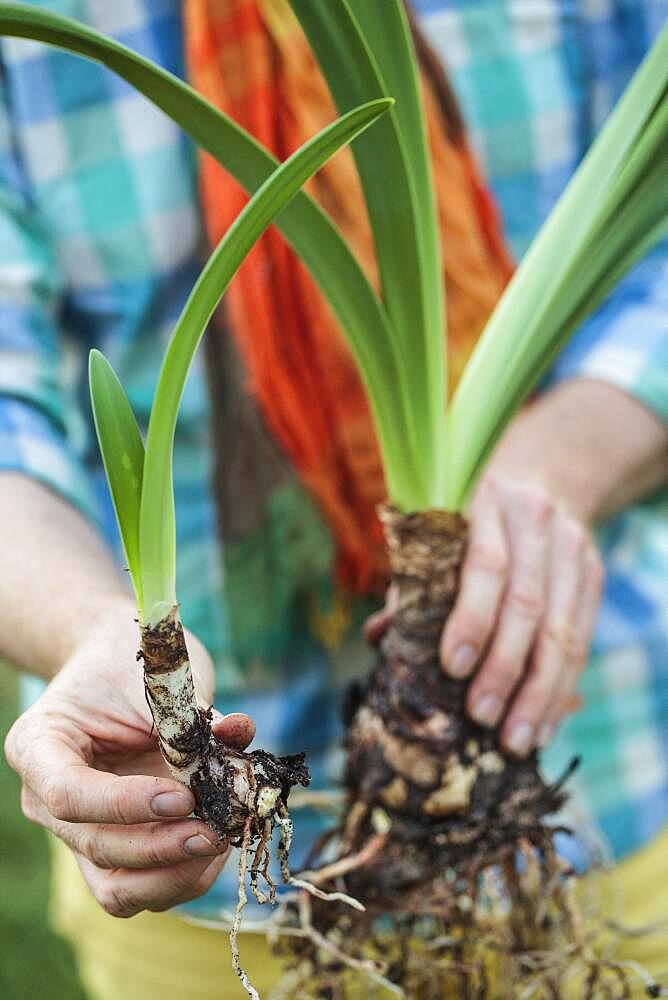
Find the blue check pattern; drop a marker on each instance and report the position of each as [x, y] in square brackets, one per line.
[99, 245]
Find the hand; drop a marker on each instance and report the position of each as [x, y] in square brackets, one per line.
[92, 774]
[524, 617]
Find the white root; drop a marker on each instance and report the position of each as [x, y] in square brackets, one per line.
[260, 865]
[349, 863]
[329, 897]
[367, 966]
[243, 899]
[285, 826]
[324, 800]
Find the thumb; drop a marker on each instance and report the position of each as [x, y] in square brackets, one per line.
[236, 729]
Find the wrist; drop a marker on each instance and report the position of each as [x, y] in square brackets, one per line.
[589, 445]
[531, 456]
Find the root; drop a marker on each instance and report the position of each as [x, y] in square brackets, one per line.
[370, 968]
[241, 796]
[445, 880]
[260, 866]
[285, 824]
[475, 940]
[243, 899]
[346, 864]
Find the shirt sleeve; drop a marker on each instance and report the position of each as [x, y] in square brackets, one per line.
[625, 341]
[37, 412]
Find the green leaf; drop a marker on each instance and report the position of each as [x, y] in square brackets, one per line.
[385, 26]
[613, 210]
[157, 528]
[122, 453]
[357, 45]
[306, 227]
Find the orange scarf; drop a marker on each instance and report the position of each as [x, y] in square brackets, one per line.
[251, 59]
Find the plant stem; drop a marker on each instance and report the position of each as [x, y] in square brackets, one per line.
[231, 788]
[170, 692]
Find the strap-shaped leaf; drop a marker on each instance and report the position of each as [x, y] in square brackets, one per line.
[122, 453]
[157, 529]
[613, 210]
[385, 27]
[395, 177]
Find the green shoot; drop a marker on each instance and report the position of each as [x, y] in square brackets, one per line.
[157, 535]
[142, 484]
[365, 48]
[122, 453]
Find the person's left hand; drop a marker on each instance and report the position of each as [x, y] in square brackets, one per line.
[523, 620]
[524, 617]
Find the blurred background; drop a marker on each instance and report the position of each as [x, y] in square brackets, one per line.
[33, 961]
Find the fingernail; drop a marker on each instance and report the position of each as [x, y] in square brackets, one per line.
[545, 734]
[463, 661]
[520, 740]
[200, 846]
[172, 804]
[487, 710]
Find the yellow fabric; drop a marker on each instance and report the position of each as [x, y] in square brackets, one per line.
[160, 957]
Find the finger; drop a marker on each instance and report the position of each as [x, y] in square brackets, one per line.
[376, 624]
[235, 730]
[482, 583]
[565, 705]
[527, 519]
[585, 620]
[124, 893]
[51, 764]
[555, 644]
[147, 845]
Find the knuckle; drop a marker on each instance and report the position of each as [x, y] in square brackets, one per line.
[494, 484]
[574, 537]
[116, 804]
[28, 805]
[116, 901]
[526, 601]
[579, 656]
[10, 746]
[92, 846]
[535, 504]
[469, 624]
[534, 699]
[492, 559]
[19, 740]
[502, 674]
[153, 852]
[563, 635]
[58, 801]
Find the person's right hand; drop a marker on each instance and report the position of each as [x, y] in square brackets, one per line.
[92, 774]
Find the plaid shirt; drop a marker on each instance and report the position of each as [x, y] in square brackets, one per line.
[99, 237]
